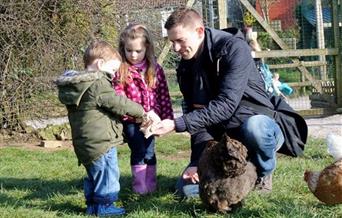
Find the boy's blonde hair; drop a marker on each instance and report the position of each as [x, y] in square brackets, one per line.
[99, 49]
[134, 31]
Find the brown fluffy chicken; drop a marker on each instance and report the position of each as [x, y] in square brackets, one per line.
[225, 176]
[327, 184]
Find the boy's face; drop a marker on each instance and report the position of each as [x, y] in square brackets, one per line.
[109, 66]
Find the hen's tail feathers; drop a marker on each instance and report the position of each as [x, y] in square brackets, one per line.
[334, 143]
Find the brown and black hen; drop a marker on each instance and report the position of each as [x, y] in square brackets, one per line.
[225, 175]
[327, 184]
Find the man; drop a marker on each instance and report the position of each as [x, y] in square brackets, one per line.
[218, 79]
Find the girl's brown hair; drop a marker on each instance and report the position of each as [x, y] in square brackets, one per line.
[134, 31]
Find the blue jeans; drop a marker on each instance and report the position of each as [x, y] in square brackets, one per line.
[262, 136]
[102, 186]
[142, 149]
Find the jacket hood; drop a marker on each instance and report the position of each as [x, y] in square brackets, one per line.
[73, 84]
[75, 77]
[216, 39]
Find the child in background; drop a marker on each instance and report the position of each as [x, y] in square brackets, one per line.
[280, 88]
[272, 84]
[93, 111]
[263, 68]
[276, 84]
[141, 79]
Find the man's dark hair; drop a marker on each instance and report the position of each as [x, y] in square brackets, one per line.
[183, 16]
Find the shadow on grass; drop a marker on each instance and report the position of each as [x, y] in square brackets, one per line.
[66, 197]
[41, 189]
[41, 194]
[165, 201]
[59, 195]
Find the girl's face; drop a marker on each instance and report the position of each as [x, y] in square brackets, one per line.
[135, 50]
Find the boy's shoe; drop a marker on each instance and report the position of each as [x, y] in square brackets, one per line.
[264, 184]
[91, 209]
[109, 210]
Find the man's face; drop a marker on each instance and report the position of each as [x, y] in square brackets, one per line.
[186, 40]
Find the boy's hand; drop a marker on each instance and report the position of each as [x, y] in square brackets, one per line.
[149, 118]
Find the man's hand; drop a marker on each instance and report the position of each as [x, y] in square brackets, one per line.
[191, 174]
[163, 127]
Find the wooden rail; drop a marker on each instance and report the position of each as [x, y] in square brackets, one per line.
[279, 41]
[301, 63]
[295, 53]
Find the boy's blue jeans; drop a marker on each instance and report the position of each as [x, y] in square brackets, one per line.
[102, 186]
[262, 136]
[142, 149]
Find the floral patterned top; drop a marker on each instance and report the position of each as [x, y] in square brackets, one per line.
[136, 89]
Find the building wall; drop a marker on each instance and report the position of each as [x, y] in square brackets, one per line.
[284, 10]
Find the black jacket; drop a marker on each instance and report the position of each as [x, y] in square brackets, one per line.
[225, 71]
[221, 77]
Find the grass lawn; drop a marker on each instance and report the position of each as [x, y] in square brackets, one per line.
[44, 183]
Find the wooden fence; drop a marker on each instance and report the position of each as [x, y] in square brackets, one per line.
[319, 85]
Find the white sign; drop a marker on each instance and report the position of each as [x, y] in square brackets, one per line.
[164, 15]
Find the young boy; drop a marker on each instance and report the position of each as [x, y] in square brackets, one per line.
[94, 111]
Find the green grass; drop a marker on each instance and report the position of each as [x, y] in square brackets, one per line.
[40, 183]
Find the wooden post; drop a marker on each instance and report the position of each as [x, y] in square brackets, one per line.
[320, 37]
[280, 42]
[336, 9]
[211, 22]
[222, 13]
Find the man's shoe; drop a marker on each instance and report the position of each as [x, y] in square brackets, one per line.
[109, 210]
[264, 184]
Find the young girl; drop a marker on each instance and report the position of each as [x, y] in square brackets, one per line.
[142, 80]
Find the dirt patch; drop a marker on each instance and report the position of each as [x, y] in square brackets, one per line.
[35, 145]
[180, 155]
[321, 127]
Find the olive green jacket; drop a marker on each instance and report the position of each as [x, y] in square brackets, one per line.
[94, 112]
